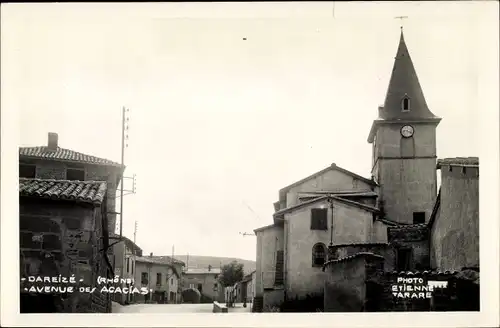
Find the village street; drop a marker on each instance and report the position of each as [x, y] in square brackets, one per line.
[173, 308]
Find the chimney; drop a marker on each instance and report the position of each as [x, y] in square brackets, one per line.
[209, 267]
[151, 254]
[52, 143]
[380, 111]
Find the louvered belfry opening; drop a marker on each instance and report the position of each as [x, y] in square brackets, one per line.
[278, 278]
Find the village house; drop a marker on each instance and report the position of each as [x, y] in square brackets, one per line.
[123, 260]
[247, 288]
[334, 231]
[161, 275]
[63, 231]
[66, 212]
[57, 163]
[205, 281]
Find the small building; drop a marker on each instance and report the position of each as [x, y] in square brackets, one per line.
[161, 275]
[57, 163]
[205, 281]
[247, 288]
[65, 198]
[123, 260]
[63, 232]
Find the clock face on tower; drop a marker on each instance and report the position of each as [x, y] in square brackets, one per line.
[407, 131]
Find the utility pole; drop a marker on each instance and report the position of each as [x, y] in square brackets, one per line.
[135, 234]
[132, 296]
[124, 145]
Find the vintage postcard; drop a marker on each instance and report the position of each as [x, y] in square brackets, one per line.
[255, 164]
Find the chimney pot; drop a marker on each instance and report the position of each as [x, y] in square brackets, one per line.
[209, 267]
[151, 254]
[380, 110]
[52, 142]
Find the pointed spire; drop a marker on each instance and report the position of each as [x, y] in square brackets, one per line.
[405, 98]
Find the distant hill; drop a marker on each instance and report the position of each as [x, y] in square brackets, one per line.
[202, 262]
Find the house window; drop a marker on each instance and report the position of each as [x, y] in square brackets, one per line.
[172, 281]
[75, 174]
[128, 264]
[27, 171]
[144, 278]
[405, 104]
[215, 286]
[158, 279]
[191, 286]
[318, 254]
[418, 217]
[200, 287]
[404, 259]
[319, 219]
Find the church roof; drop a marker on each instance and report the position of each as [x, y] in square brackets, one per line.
[322, 198]
[332, 166]
[404, 83]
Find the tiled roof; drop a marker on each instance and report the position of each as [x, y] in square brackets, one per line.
[338, 193]
[458, 161]
[130, 243]
[351, 257]
[81, 191]
[202, 271]
[159, 260]
[390, 222]
[62, 154]
[409, 227]
[424, 272]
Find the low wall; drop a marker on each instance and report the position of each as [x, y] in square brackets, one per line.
[219, 308]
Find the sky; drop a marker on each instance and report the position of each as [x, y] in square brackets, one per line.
[219, 124]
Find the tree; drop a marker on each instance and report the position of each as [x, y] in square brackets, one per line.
[231, 273]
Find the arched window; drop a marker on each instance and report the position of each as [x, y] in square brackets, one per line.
[319, 254]
[405, 104]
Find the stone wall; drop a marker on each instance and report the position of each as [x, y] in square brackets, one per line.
[345, 287]
[64, 238]
[459, 295]
[416, 238]
[455, 231]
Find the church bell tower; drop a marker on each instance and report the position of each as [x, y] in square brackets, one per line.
[404, 146]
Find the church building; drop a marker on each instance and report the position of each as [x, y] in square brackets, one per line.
[332, 227]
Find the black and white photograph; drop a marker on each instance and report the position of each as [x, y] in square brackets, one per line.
[242, 161]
